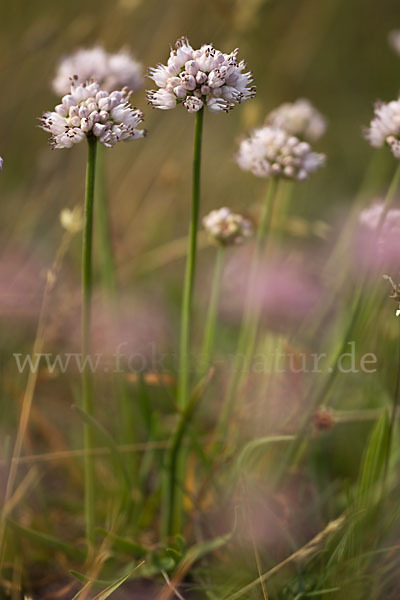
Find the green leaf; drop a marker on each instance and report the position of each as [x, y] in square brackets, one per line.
[250, 447]
[108, 440]
[49, 541]
[373, 462]
[125, 545]
[114, 586]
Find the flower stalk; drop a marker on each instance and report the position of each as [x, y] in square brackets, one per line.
[87, 376]
[173, 492]
[184, 358]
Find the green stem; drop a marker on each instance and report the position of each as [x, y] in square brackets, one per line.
[211, 321]
[186, 314]
[107, 271]
[392, 421]
[176, 471]
[87, 375]
[248, 332]
[107, 266]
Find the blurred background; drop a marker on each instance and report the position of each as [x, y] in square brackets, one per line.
[334, 52]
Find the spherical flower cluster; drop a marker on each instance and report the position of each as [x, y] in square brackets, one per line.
[298, 118]
[88, 110]
[394, 40]
[197, 78]
[111, 71]
[271, 151]
[376, 216]
[377, 239]
[227, 228]
[385, 126]
[72, 220]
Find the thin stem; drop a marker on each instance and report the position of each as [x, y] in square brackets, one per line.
[107, 271]
[211, 321]
[186, 314]
[107, 266]
[248, 332]
[175, 470]
[392, 423]
[87, 375]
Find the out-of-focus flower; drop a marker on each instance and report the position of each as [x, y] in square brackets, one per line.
[284, 289]
[111, 71]
[1, 164]
[394, 40]
[227, 228]
[376, 216]
[385, 127]
[323, 419]
[197, 78]
[272, 152]
[21, 283]
[377, 239]
[72, 220]
[298, 118]
[89, 110]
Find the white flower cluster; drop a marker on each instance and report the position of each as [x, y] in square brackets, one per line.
[89, 110]
[385, 126]
[376, 217]
[394, 40]
[227, 228]
[72, 220]
[197, 78]
[111, 71]
[298, 118]
[271, 151]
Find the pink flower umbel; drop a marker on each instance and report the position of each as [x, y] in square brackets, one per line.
[197, 78]
[112, 71]
[272, 152]
[89, 110]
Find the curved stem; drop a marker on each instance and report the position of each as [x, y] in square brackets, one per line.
[87, 375]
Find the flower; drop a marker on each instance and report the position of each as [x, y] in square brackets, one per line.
[394, 40]
[376, 217]
[1, 164]
[377, 237]
[298, 118]
[89, 110]
[197, 78]
[385, 126]
[271, 151]
[111, 71]
[227, 228]
[72, 220]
